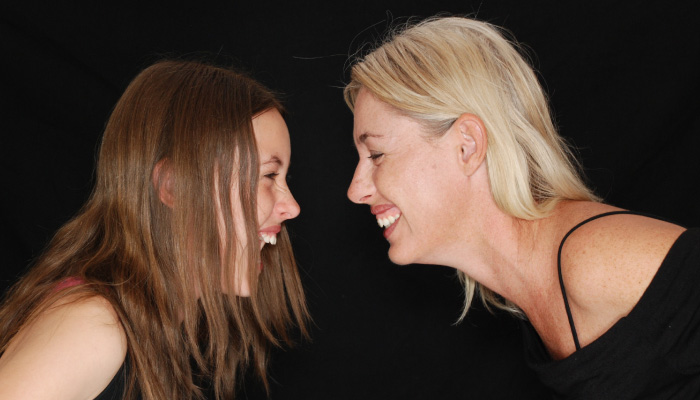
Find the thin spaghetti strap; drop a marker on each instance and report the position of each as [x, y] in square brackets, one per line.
[561, 278]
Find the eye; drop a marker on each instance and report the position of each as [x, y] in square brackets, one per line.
[375, 155]
[272, 175]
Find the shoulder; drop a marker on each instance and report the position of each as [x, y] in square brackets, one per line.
[71, 350]
[608, 263]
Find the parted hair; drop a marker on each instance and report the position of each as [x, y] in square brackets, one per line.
[442, 67]
[164, 269]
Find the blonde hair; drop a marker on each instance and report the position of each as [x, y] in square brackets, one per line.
[441, 68]
[161, 268]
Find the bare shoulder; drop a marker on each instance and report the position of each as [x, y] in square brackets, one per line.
[608, 263]
[71, 351]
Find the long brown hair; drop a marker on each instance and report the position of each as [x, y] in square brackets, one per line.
[162, 268]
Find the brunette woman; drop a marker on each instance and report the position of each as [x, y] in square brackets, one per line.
[178, 271]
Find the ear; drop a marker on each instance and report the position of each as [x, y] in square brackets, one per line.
[472, 141]
[164, 182]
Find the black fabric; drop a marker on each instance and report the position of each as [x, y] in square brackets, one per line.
[652, 353]
[115, 389]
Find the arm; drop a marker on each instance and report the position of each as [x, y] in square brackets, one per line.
[71, 351]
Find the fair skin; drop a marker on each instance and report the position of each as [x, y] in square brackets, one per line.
[436, 191]
[275, 201]
[73, 349]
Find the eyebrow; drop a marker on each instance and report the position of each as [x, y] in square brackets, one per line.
[274, 160]
[363, 137]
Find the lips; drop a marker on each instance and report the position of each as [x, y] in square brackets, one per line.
[383, 208]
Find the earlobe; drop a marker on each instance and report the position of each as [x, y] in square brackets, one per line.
[164, 183]
[473, 142]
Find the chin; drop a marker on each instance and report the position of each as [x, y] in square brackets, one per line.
[399, 258]
[414, 255]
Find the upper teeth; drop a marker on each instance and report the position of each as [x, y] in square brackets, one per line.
[270, 238]
[386, 222]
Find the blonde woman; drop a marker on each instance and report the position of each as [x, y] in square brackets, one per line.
[461, 165]
[178, 272]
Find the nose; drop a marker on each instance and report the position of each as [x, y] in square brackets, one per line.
[361, 188]
[287, 207]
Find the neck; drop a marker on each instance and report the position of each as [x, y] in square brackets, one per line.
[510, 256]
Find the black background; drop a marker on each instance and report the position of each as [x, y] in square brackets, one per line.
[622, 78]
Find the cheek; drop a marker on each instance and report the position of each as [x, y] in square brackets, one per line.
[401, 182]
[265, 204]
[389, 177]
[424, 188]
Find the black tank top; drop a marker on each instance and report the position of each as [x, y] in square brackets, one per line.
[115, 389]
[652, 353]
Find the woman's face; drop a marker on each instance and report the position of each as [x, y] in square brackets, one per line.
[411, 183]
[275, 202]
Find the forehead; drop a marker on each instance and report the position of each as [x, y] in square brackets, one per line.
[375, 119]
[271, 135]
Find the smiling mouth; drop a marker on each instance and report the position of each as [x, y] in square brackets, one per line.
[388, 220]
[270, 238]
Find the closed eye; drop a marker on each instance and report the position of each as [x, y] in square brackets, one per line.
[374, 156]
